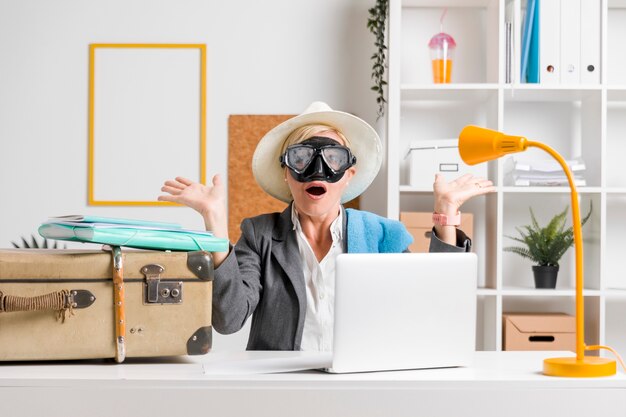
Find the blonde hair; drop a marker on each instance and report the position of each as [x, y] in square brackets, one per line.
[308, 131]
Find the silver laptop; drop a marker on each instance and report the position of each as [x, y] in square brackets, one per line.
[404, 311]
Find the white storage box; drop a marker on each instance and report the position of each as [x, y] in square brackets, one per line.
[440, 156]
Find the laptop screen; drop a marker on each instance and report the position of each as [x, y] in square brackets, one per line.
[404, 311]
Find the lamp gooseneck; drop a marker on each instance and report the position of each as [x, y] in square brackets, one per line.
[581, 365]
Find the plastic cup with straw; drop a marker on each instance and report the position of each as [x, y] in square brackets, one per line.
[442, 48]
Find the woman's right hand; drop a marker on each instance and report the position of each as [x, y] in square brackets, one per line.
[208, 200]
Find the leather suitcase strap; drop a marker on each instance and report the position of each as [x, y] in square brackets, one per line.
[119, 307]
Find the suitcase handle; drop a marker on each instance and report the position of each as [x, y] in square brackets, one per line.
[62, 301]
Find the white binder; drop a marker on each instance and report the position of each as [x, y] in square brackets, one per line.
[513, 13]
[590, 16]
[549, 41]
[570, 41]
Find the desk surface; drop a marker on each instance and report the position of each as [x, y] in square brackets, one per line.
[230, 383]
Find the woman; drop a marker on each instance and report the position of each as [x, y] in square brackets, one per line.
[282, 268]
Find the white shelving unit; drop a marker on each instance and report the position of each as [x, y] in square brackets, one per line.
[586, 120]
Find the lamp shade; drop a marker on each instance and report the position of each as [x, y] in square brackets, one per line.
[478, 144]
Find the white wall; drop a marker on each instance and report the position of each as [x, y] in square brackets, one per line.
[264, 57]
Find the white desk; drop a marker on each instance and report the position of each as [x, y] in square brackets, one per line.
[499, 384]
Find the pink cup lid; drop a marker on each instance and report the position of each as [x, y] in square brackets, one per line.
[441, 39]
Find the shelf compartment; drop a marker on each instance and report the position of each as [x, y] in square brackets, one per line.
[616, 33]
[614, 275]
[430, 120]
[473, 24]
[517, 271]
[615, 336]
[486, 321]
[571, 127]
[615, 143]
[559, 304]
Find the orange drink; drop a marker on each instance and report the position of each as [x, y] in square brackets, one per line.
[442, 68]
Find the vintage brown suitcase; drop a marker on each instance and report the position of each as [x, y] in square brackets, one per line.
[64, 304]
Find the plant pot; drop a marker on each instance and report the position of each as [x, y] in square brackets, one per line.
[545, 276]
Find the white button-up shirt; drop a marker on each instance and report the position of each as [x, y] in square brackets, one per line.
[319, 278]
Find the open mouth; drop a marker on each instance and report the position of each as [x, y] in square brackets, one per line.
[316, 190]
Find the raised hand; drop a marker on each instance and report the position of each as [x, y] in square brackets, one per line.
[450, 196]
[208, 200]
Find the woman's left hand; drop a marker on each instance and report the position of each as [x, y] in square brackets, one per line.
[450, 196]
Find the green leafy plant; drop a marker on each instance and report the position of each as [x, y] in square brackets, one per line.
[34, 244]
[376, 23]
[545, 245]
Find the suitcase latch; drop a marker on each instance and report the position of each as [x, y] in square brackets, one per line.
[160, 292]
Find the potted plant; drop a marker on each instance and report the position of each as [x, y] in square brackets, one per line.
[34, 244]
[545, 245]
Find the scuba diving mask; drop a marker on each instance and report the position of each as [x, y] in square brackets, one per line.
[317, 159]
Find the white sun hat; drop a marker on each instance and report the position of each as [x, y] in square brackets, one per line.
[364, 144]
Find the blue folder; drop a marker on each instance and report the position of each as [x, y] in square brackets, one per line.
[143, 235]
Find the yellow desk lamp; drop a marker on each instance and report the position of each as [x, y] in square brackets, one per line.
[476, 145]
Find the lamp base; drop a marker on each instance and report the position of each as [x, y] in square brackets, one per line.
[589, 366]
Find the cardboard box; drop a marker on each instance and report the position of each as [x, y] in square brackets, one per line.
[440, 156]
[548, 331]
[420, 225]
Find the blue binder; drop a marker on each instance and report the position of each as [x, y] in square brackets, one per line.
[530, 44]
[532, 74]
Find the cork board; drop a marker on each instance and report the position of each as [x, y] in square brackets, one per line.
[245, 197]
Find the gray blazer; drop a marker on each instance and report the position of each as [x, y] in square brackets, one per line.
[263, 275]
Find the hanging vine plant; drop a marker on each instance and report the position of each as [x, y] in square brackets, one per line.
[376, 23]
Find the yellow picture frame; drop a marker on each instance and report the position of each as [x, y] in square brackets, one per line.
[125, 143]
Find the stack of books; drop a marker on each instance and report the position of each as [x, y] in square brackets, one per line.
[132, 233]
[542, 173]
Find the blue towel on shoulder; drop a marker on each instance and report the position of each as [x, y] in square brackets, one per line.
[370, 233]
